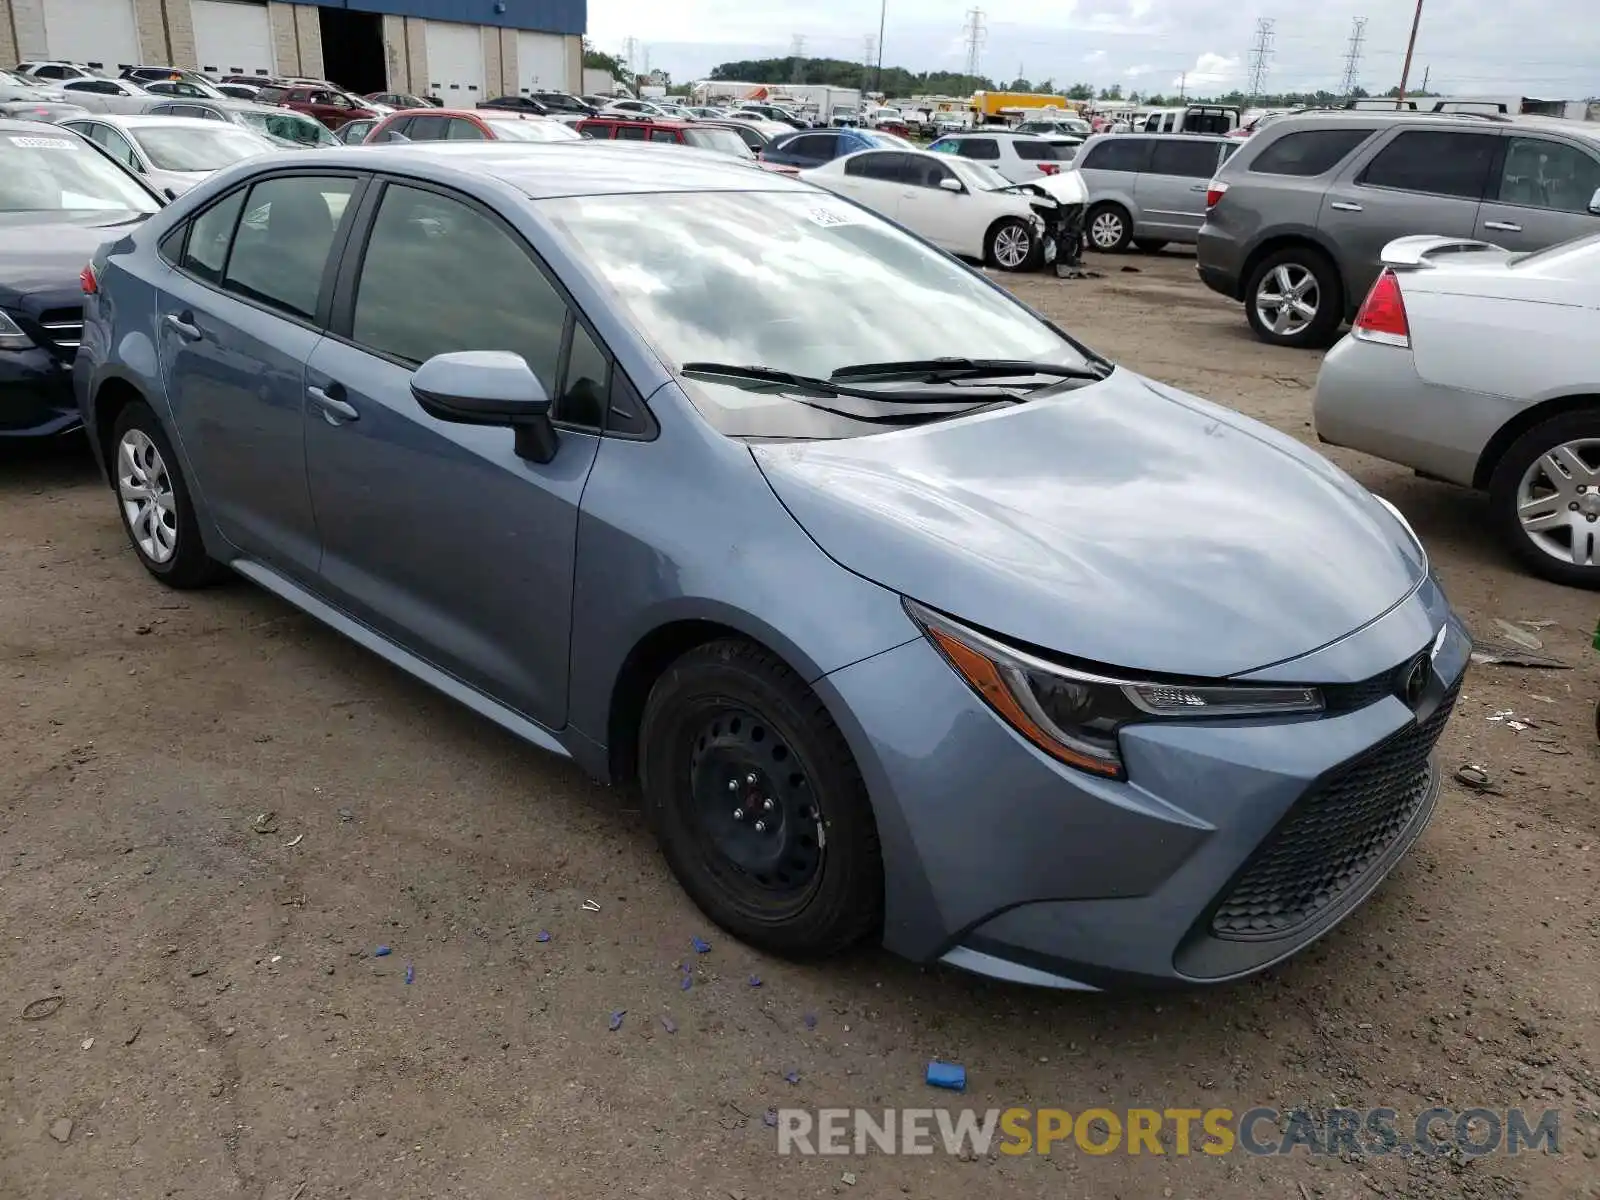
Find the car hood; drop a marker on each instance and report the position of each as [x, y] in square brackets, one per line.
[47, 255]
[1123, 523]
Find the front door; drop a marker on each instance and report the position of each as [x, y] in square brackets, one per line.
[942, 216]
[236, 323]
[1544, 194]
[437, 534]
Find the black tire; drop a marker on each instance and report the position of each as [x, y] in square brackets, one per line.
[1520, 456]
[1023, 236]
[733, 709]
[187, 565]
[1150, 245]
[1326, 295]
[1109, 228]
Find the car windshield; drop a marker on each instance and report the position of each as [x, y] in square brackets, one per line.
[56, 172]
[724, 140]
[795, 281]
[290, 127]
[535, 130]
[197, 148]
[977, 176]
[21, 80]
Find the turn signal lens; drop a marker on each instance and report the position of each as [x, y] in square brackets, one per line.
[89, 281]
[1050, 168]
[1382, 317]
[1215, 191]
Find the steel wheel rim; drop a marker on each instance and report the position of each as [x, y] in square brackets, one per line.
[751, 799]
[144, 489]
[1011, 246]
[1106, 230]
[1558, 502]
[1289, 309]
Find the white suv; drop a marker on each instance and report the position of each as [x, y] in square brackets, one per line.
[1020, 157]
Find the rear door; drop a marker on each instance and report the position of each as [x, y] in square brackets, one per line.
[1415, 181]
[1544, 193]
[806, 150]
[1171, 192]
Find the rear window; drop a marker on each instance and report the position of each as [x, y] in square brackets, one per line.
[1036, 151]
[1308, 151]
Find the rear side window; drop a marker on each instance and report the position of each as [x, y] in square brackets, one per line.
[209, 235]
[886, 167]
[1308, 152]
[1119, 154]
[1193, 160]
[281, 250]
[663, 135]
[630, 133]
[1435, 162]
[1540, 173]
[982, 149]
[427, 129]
[271, 94]
[1035, 151]
[463, 130]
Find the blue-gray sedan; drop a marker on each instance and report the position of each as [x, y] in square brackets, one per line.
[911, 617]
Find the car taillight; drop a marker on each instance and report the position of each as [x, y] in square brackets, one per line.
[89, 281]
[1383, 314]
[1215, 191]
[1050, 168]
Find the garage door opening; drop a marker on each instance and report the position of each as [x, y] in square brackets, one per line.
[352, 50]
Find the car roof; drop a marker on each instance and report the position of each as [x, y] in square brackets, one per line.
[149, 120]
[1467, 119]
[669, 123]
[1161, 137]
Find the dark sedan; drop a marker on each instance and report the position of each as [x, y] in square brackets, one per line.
[59, 200]
[520, 104]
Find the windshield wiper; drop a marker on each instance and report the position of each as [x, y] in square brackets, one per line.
[943, 369]
[822, 387]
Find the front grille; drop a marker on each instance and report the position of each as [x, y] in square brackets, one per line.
[1333, 836]
[63, 329]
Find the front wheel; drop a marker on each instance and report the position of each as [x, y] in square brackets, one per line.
[1013, 246]
[1545, 496]
[757, 803]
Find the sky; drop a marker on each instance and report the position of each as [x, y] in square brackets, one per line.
[1548, 48]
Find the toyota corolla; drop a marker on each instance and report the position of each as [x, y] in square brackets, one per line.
[912, 618]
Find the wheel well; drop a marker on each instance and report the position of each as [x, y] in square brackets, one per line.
[1286, 242]
[1525, 420]
[645, 664]
[114, 396]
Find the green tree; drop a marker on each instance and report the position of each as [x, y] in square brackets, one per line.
[598, 60]
[1114, 92]
[1019, 84]
[838, 72]
[1081, 91]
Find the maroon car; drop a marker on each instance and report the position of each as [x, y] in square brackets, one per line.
[332, 108]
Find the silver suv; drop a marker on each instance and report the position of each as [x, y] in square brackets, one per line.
[1296, 221]
[1148, 188]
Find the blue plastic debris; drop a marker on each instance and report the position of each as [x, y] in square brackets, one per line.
[770, 1118]
[381, 952]
[686, 982]
[755, 981]
[791, 1076]
[411, 974]
[952, 1076]
[616, 1019]
[811, 1020]
[701, 946]
[542, 936]
[669, 1024]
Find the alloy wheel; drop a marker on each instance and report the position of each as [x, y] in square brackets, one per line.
[145, 490]
[1287, 299]
[1012, 246]
[1105, 231]
[1558, 502]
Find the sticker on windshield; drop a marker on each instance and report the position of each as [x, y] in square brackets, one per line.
[828, 216]
[42, 143]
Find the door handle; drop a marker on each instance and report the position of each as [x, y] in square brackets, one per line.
[184, 324]
[334, 410]
[1199, 187]
[1344, 206]
[1507, 226]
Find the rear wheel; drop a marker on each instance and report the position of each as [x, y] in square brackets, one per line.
[1110, 228]
[1293, 298]
[1013, 246]
[1545, 495]
[154, 502]
[757, 802]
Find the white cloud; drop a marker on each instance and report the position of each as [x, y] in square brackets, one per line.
[1097, 56]
[1209, 71]
[1141, 69]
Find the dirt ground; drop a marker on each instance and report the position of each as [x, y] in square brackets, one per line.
[228, 1028]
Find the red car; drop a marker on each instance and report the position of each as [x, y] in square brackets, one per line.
[678, 133]
[469, 125]
[332, 108]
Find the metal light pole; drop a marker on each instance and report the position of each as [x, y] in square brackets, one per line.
[877, 74]
[1405, 71]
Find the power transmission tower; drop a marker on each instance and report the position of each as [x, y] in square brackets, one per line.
[1260, 55]
[630, 47]
[975, 34]
[797, 55]
[1183, 88]
[1352, 57]
[867, 43]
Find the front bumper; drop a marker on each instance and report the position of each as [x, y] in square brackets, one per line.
[1231, 846]
[36, 398]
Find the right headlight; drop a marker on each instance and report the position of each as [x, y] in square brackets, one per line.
[1074, 715]
[11, 336]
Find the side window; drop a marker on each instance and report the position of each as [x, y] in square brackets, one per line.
[1544, 174]
[462, 130]
[1119, 154]
[630, 133]
[1031, 151]
[583, 391]
[425, 245]
[1194, 160]
[982, 149]
[1308, 152]
[886, 167]
[281, 250]
[117, 145]
[922, 172]
[427, 129]
[1434, 162]
[943, 146]
[664, 135]
[209, 235]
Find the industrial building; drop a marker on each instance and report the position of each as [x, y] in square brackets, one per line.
[461, 51]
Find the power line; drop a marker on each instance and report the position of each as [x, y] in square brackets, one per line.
[975, 34]
[1352, 57]
[1260, 55]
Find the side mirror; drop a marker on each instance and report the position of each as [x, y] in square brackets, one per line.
[1594, 202]
[488, 387]
[951, 185]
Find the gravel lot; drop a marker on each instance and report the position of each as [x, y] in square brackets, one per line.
[246, 1040]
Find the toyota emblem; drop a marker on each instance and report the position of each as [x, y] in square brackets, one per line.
[1416, 682]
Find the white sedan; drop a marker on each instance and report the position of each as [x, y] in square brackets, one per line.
[963, 207]
[171, 154]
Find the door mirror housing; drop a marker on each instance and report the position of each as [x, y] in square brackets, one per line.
[1594, 202]
[951, 185]
[488, 387]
